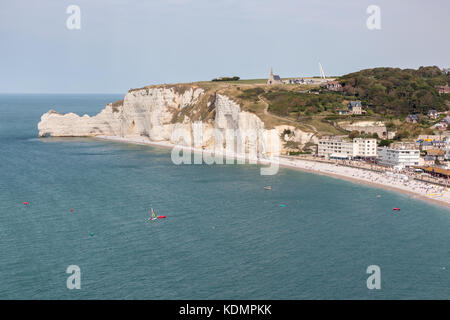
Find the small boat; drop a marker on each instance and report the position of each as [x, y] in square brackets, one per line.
[25, 203]
[396, 209]
[268, 187]
[153, 217]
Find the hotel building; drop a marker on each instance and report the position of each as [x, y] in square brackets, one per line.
[339, 148]
[398, 157]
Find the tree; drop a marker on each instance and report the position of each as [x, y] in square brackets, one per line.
[389, 126]
[385, 143]
[354, 134]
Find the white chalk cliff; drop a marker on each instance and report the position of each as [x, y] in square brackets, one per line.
[167, 114]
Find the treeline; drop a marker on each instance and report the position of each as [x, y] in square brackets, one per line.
[226, 79]
[397, 92]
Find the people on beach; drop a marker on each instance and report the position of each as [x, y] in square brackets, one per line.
[406, 181]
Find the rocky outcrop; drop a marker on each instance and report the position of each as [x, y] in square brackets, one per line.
[71, 125]
[145, 112]
[294, 139]
[158, 114]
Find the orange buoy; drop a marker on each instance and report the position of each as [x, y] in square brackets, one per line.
[71, 210]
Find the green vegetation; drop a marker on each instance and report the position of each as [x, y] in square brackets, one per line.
[396, 91]
[286, 132]
[288, 102]
[385, 143]
[322, 126]
[410, 131]
[226, 79]
[354, 134]
[296, 153]
[251, 94]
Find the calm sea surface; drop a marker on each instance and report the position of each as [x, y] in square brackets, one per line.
[224, 237]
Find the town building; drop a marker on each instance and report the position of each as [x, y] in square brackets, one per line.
[446, 120]
[425, 145]
[435, 171]
[398, 157]
[355, 107]
[434, 155]
[443, 89]
[412, 118]
[433, 114]
[369, 127]
[337, 147]
[428, 142]
[403, 145]
[367, 148]
[293, 81]
[334, 86]
[441, 126]
[431, 137]
[274, 79]
[427, 161]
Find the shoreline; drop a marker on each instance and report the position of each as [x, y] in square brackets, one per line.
[412, 188]
[372, 184]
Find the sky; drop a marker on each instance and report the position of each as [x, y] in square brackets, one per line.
[123, 44]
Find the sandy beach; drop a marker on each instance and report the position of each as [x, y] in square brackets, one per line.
[400, 183]
[423, 190]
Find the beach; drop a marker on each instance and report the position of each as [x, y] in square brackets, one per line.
[395, 182]
[422, 190]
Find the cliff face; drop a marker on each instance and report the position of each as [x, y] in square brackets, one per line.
[141, 113]
[181, 117]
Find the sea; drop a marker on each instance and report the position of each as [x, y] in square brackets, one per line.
[224, 235]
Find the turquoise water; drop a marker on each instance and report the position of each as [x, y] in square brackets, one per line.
[224, 237]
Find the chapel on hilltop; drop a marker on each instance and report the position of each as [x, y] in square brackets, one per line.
[274, 79]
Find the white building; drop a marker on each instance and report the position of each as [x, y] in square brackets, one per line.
[398, 157]
[339, 148]
[367, 148]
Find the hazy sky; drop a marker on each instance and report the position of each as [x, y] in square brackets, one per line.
[125, 44]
